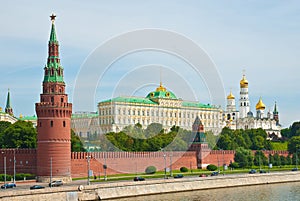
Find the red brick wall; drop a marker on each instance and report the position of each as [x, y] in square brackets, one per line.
[25, 161]
[119, 162]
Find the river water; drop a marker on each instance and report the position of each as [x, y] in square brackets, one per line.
[268, 192]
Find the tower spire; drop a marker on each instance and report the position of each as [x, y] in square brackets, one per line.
[53, 69]
[8, 108]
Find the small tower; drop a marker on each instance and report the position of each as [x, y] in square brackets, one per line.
[231, 103]
[276, 114]
[8, 108]
[54, 119]
[260, 108]
[244, 98]
[199, 144]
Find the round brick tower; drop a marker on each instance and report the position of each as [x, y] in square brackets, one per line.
[54, 119]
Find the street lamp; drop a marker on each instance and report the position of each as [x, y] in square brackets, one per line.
[51, 172]
[4, 161]
[88, 161]
[165, 163]
[171, 174]
[14, 166]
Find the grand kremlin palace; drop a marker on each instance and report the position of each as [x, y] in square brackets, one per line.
[160, 106]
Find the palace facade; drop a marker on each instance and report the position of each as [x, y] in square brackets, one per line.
[159, 106]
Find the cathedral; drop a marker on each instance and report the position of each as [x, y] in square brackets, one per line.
[7, 114]
[243, 118]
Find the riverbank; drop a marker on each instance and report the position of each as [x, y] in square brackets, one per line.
[115, 190]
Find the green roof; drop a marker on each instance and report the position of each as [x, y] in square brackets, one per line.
[161, 94]
[130, 100]
[28, 118]
[84, 115]
[53, 69]
[195, 104]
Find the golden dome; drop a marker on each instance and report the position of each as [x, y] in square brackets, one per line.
[161, 88]
[260, 105]
[230, 96]
[244, 82]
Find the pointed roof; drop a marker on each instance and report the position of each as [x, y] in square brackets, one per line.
[275, 109]
[53, 34]
[8, 106]
[53, 69]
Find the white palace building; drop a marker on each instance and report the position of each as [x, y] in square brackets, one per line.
[160, 106]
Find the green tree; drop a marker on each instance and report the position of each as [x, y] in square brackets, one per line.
[76, 144]
[4, 125]
[260, 159]
[277, 161]
[21, 134]
[243, 157]
[294, 144]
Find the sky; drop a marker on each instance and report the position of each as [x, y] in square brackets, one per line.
[258, 38]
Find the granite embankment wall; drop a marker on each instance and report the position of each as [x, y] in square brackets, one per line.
[107, 191]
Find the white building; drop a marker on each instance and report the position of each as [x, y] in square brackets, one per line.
[160, 106]
[244, 119]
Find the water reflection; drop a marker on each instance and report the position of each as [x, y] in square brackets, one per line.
[282, 192]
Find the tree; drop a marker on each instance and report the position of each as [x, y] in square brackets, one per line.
[243, 157]
[260, 158]
[21, 134]
[76, 144]
[4, 125]
[294, 144]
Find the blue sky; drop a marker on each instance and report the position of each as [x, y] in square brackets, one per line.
[260, 37]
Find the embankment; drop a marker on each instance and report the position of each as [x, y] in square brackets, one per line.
[106, 191]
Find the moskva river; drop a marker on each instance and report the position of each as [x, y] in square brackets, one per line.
[268, 192]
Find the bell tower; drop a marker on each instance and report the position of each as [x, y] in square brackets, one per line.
[54, 119]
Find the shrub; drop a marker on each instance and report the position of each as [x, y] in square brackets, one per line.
[8, 177]
[150, 170]
[21, 176]
[184, 169]
[234, 165]
[211, 167]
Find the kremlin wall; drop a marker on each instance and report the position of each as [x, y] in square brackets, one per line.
[53, 157]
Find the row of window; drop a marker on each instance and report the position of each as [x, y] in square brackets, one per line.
[160, 113]
[52, 124]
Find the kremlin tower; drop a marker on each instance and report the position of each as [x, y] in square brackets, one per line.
[8, 108]
[54, 119]
[244, 98]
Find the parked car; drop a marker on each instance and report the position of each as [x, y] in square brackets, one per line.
[262, 171]
[295, 169]
[252, 171]
[9, 185]
[202, 175]
[56, 183]
[36, 187]
[214, 174]
[138, 179]
[178, 176]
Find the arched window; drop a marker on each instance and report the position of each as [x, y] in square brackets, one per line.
[51, 123]
[64, 123]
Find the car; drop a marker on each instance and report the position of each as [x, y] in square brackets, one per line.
[202, 175]
[138, 179]
[214, 174]
[252, 171]
[262, 171]
[8, 185]
[178, 176]
[36, 187]
[295, 169]
[56, 183]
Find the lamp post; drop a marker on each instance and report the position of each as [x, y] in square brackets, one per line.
[171, 174]
[223, 163]
[165, 164]
[14, 181]
[4, 165]
[105, 167]
[297, 158]
[218, 162]
[50, 172]
[88, 161]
